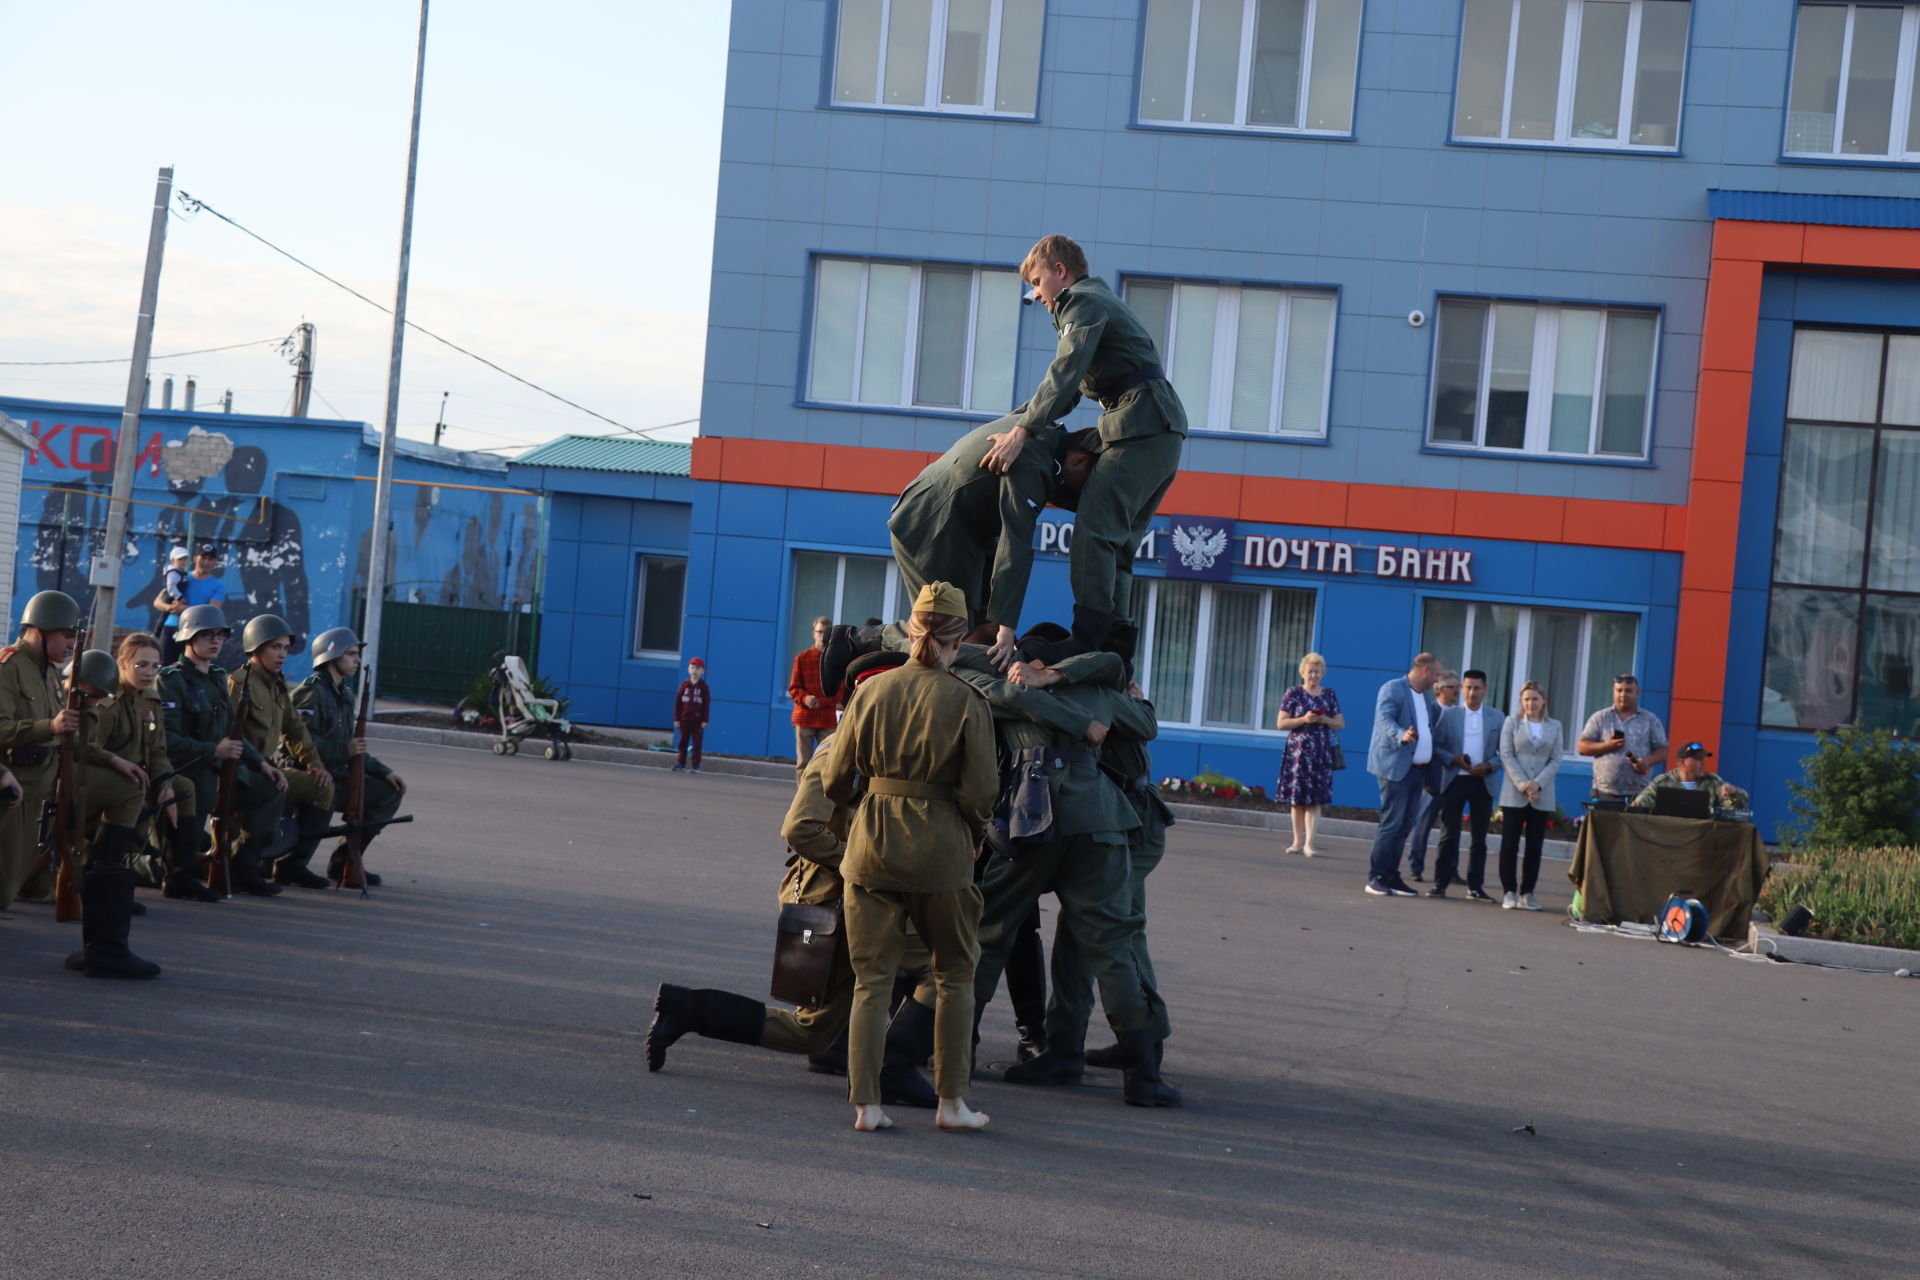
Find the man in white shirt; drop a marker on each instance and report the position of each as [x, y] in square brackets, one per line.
[1400, 756]
[1470, 742]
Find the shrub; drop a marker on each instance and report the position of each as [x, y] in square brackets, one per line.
[1861, 792]
[1870, 896]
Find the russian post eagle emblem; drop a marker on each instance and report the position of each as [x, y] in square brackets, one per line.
[1199, 546]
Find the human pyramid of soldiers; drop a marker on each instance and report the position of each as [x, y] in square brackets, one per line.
[114, 771]
[976, 769]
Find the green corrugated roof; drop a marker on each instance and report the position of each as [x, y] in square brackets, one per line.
[612, 453]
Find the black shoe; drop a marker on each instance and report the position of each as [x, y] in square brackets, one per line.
[1416, 877]
[1033, 1043]
[717, 1015]
[1477, 894]
[186, 887]
[1111, 1058]
[1438, 891]
[106, 900]
[1142, 1085]
[246, 879]
[679, 768]
[1066, 1064]
[1400, 888]
[674, 1013]
[289, 873]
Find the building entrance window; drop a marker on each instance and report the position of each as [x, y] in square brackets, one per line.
[848, 589]
[1573, 653]
[1219, 657]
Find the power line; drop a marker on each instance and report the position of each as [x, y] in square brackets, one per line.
[257, 342]
[190, 206]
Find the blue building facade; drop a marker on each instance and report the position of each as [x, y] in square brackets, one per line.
[1524, 305]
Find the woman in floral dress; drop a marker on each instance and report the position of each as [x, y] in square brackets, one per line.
[1311, 715]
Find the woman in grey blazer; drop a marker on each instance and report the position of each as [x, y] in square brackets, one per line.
[1530, 749]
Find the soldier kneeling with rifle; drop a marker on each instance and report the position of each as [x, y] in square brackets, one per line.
[273, 727]
[202, 726]
[31, 716]
[325, 701]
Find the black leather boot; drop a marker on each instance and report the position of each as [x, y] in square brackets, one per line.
[1026, 977]
[246, 878]
[909, 1041]
[291, 867]
[106, 901]
[183, 850]
[1142, 1085]
[1063, 1063]
[717, 1015]
[832, 1061]
[1113, 1057]
[844, 644]
[1090, 628]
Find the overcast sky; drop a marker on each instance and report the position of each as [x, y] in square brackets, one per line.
[563, 223]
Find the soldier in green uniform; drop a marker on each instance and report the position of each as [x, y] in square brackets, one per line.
[193, 694]
[274, 728]
[815, 831]
[1106, 353]
[32, 712]
[126, 751]
[922, 741]
[106, 881]
[1690, 771]
[328, 702]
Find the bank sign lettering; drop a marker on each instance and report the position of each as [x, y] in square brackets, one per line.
[1199, 547]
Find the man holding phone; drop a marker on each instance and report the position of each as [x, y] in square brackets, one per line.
[1628, 743]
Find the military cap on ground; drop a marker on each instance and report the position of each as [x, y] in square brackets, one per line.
[202, 617]
[941, 597]
[97, 670]
[264, 629]
[51, 611]
[335, 643]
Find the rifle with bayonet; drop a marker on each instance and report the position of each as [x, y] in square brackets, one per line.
[227, 800]
[355, 827]
[69, 798]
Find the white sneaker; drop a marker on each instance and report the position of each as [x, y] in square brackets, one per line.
[1509, 902]
[1529, 903]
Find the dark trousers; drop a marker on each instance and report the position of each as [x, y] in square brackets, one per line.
[1399, 803]
[1422, 832]
[1466, 792]
[1512, 822]
[170, 646]
[1026, 975]
[690, 734]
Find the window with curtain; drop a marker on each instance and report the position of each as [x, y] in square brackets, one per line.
[1852, 91]
[971, 57]
[913, 335]
[1843, 620]
[1219, 657]
[1538, 378]
[1572, 73]
[848, 589]
[1573, 653]
[659, 603]
[1243, 357]
[1282, 65]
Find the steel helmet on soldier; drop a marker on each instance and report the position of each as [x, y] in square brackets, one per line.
[263, 629]
[336, 643]
[51, 611]
[202, 617]
[97, 670]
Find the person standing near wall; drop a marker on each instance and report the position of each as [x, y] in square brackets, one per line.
[815, 711]
[1531, 745]
[692, 708]
[1447, 694]
[1310, 713]
[172, 602]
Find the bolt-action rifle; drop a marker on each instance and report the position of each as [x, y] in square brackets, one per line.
[226, 804]
[354, 873]
[69, 799]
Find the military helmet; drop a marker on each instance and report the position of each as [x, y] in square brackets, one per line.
[202, 617]
[263, 629]
[51, 611]
[336, 643]
[97, 670]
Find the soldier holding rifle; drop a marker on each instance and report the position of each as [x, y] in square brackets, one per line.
[325, 702]
[273, 727]
[31, 714]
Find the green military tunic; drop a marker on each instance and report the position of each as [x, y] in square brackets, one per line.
[329, 710]
[273, 727]
[198, 715]
[1102, 347]
[129, 725]
[961, 523]
[923, 742]
[1710, 783]
[30, 698]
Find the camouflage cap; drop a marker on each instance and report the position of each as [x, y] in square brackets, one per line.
[941, 597]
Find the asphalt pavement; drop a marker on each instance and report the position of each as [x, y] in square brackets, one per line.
[447, 1080]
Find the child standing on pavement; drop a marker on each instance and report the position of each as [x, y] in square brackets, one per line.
[692, 704]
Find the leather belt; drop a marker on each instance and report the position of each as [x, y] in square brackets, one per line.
[908, 788]
[1138, 378]
[1072, 755]
[27, 757]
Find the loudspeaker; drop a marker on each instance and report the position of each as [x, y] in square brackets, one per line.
[1796, 922]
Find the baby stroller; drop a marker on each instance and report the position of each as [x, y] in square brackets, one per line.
[522, 715]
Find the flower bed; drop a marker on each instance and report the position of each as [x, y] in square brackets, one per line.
[1867, 896]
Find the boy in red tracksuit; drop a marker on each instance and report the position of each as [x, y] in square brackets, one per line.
[692, 704]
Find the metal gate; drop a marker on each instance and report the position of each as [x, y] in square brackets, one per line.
[433, 652]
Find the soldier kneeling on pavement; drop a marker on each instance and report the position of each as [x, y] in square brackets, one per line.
[32, 712]
[127, 760]
[106, 883]
[274, 728]
[199, 714]
[328, 701]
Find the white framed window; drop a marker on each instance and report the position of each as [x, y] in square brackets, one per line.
[1540, 378]
[1573, 653]
[659, 604]
[1854, 67]
[1243, 357]
[848, 589]
[914, 335]
[1572, 73]
[1220, 657]
[1287, 65]
[973, 57]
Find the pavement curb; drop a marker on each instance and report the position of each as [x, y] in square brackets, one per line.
[1763, 940]
[1347, 828]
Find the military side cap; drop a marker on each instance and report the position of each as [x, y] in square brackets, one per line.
[97, 670]
[51, 611]
[941, 597]
[868, 664]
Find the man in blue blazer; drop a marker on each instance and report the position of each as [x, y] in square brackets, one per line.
[1468, 747]
[1401, 757]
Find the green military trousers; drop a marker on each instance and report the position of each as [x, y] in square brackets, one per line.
[813, 1031]
[1072, 1002]
[953, 558]
[260, 802]
[1123, 490]
[20, 832]
[1091, 880]
[876, 942]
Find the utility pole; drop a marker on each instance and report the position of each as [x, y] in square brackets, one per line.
[105, 575]
[390, 430]
[440, 427]
[303, 370]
